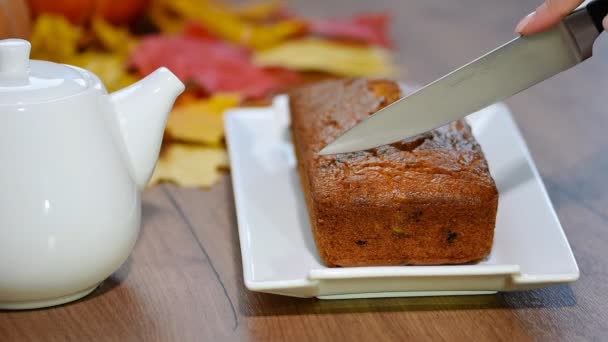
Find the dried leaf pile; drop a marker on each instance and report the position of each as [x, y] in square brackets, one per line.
[227, 56]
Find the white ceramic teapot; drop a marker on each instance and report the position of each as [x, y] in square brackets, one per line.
[73, 162]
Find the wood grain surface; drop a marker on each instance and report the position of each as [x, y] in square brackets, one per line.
[184, 282]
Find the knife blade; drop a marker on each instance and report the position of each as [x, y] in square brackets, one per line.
[495, 76]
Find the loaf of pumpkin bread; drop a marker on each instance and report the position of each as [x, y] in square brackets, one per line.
[425, 200]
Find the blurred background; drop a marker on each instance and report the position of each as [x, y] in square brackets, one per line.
[228, 55]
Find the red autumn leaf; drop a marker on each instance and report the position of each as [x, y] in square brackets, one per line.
[195, 30]
[215, 66]
[364, 28]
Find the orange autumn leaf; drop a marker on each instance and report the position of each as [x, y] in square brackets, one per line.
[185, 98]
[190, 166]
[259, 11]
[109, 67]
[195, 30]
[228, 25]
[162, 17]
[201, 121]
[115, 39]
[54, 38]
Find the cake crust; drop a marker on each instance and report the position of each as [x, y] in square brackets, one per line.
[426, 200]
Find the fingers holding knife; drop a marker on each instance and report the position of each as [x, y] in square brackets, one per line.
[547, 15]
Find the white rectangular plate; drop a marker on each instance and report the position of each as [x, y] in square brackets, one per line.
[279, 255]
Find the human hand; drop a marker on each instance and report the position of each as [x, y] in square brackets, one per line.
[547, 15]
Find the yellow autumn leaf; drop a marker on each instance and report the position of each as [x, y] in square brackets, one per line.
[54, 38]
[163, 18]
[114, 39]
[228, 25]
[190, 166]
[258, 11]
[201, 121]
[109, 67]
[312, 54]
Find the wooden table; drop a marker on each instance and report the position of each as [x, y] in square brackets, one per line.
[184, 280]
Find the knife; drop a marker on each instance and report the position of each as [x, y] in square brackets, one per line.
[501, 73]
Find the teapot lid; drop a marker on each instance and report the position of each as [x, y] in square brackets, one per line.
[23, 81]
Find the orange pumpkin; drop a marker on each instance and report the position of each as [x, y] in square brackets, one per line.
[14, 19]
[81, 11]
[76, 11]
[120, 12]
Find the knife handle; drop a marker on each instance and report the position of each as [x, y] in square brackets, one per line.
[597, 10]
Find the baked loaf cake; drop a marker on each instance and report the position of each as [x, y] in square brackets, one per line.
[425, 200]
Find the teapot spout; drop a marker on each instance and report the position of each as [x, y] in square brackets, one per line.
[141, 112]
